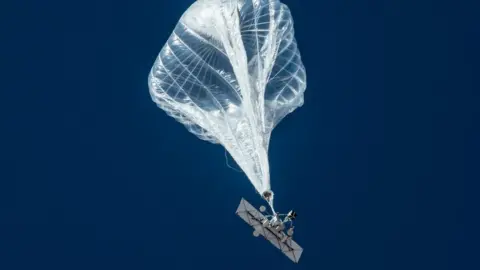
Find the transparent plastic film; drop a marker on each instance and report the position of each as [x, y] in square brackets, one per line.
[230, 72]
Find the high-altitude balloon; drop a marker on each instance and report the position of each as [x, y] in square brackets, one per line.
[230, 72]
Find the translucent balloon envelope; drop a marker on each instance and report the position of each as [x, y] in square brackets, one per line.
[230, 72]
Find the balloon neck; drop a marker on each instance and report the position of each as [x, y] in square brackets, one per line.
[268, 196]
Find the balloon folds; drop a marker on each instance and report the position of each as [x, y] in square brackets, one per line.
[230, 72]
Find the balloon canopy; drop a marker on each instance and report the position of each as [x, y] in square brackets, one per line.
[230, 72]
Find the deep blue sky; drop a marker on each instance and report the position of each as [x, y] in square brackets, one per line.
[380, 163]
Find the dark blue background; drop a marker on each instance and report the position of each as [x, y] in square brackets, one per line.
[380, 163]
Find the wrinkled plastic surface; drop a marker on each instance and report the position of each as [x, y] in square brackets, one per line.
[230, 72]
